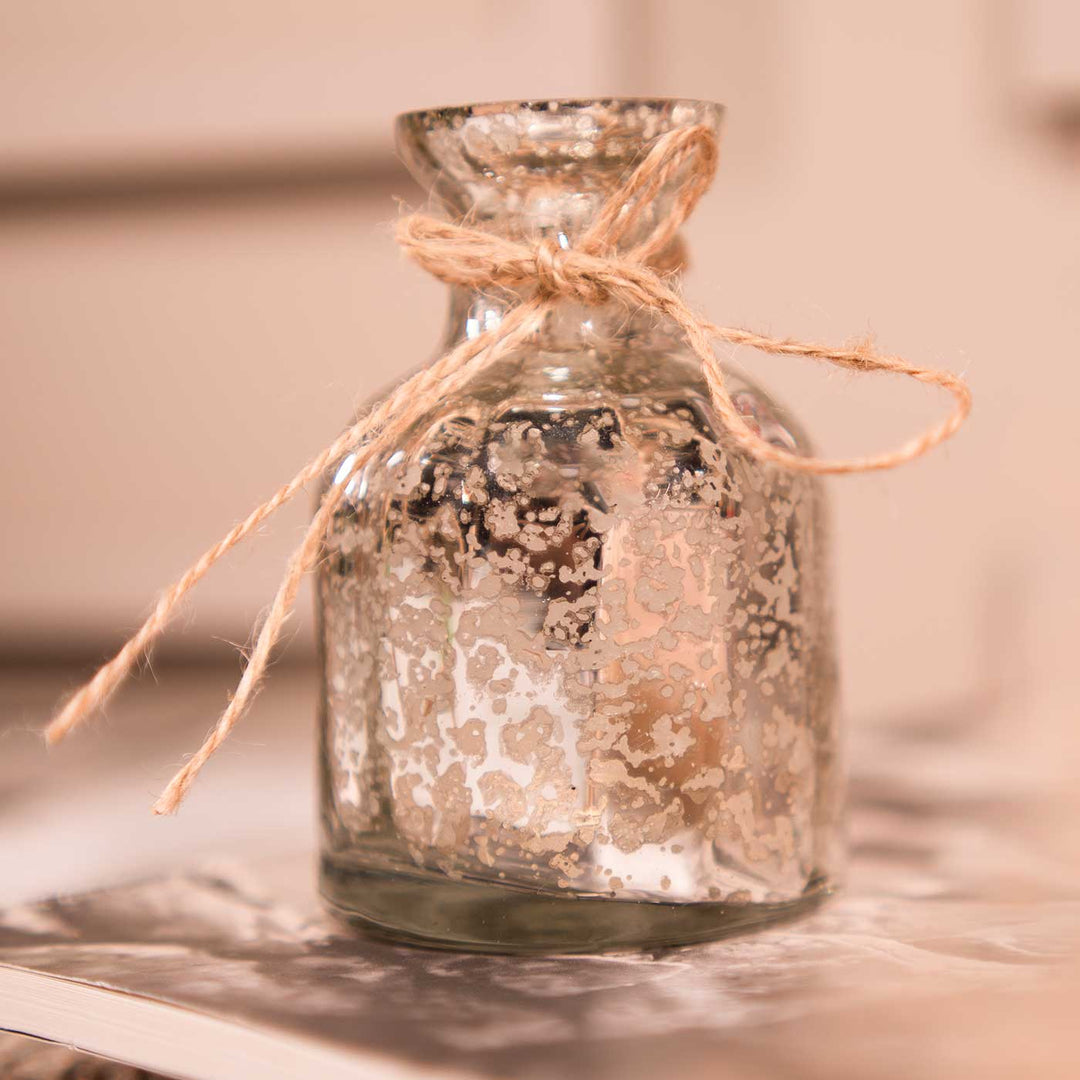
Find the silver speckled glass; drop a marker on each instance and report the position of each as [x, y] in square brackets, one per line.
[578, 682]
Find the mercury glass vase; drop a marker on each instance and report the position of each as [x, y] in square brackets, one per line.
[577, 669]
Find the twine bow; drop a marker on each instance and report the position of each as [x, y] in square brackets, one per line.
[591, 273]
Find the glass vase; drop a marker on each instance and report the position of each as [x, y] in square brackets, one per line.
[577, 669]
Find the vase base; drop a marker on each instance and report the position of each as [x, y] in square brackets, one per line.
[442, 913]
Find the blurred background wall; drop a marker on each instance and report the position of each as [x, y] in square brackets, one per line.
[197, 281]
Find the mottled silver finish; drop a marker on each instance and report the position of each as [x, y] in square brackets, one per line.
[576, 643]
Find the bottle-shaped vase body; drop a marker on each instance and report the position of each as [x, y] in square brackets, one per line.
[578, 681]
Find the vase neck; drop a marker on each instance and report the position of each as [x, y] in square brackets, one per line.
[568, 327]
[528, 170]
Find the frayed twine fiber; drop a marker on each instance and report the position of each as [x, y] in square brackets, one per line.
[589, 273]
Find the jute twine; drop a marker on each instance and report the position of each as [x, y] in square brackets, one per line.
[543, 272]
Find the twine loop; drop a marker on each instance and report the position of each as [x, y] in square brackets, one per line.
[621, 256]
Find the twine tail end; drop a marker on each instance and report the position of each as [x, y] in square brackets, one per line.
[92, 696]
[56, 730]
[168, 802]
[69, 717]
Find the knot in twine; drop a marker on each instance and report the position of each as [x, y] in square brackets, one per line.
[559, 273]
[601, 267]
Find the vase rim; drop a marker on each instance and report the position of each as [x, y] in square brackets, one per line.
[539, 165]
[709, 112]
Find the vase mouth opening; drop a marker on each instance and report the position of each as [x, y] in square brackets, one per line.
[467, 153]
[678, 111]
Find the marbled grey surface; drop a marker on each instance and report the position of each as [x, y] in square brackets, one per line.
[950, 952]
